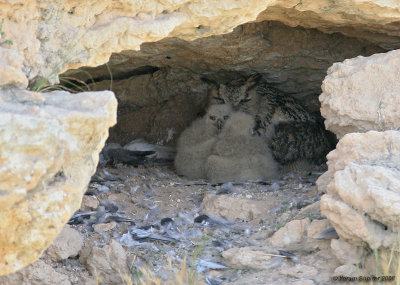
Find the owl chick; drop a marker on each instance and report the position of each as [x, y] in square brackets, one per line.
[238, 155]
[197, 142]
[272, 109]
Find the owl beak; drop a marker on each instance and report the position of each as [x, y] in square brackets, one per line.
[219, 124]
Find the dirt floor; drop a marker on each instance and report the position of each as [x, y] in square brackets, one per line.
[225, 233]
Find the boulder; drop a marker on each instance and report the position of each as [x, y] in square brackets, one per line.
[49, 149]
[67, 244]
[362, 94]
[362, 186]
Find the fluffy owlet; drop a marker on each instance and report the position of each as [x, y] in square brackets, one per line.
[292, 133]
[238, 155]
[197, 142]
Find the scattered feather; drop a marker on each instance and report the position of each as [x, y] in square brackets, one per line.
[200, 263]
[329, 233]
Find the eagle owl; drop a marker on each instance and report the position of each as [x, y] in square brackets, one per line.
[239, 155]
[292, 133]
[196, 143]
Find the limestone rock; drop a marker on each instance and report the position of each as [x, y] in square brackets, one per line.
[346, 252]
[362, 186]
[108, 262]
[339, 18]
[125, 25]
[49, 146]
[11, 68]
[38, 273]
[56, 36]
[247, 257]
[316, 227]
[68, 243]
[347, 270]
[361, 94]
[268, 48]
[157, 106]
[365, 149]
[293, 232]
[89, 203]
[353, 226]
[228, 207]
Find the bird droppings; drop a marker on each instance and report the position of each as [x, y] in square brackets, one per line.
[139, 210]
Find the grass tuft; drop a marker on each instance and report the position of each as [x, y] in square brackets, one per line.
[183, 276]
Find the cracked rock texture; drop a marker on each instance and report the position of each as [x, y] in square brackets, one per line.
[49, 146]
[362, 94]
[291, 43]
[228, 207]
[156, 106]
[125, 25]
[292, 59]
[50, 141]
[362, 186]
[58, 34]
[108, 262]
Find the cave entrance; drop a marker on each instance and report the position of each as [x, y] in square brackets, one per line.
[161, 88]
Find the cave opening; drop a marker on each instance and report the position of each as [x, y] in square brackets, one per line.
[163, 87]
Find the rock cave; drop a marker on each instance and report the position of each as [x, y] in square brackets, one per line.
[72, 220]
[160, 90]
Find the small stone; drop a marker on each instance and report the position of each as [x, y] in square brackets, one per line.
[348, 270]
[229, 207]
[89, 203]
[109, 262]
[292, 233]
[68, 243]
[246, 257]
[105, 227]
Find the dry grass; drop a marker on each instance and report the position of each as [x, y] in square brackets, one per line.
[388, 265]
[184, 276]
[383, 266]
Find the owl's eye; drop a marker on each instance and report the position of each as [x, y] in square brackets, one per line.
[226, 117]
[245, 100]
[212, 118]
